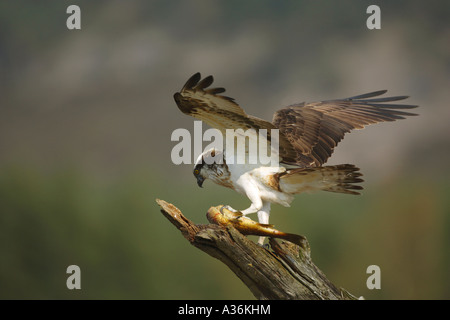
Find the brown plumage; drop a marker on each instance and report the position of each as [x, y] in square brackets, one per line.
[315, 129]
[309, 132]
[340, 178]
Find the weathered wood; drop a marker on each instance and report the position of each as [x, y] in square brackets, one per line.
[287, 272]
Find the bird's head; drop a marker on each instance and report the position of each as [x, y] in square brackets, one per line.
[210, 165]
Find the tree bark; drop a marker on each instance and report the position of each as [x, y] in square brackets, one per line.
[286, 272]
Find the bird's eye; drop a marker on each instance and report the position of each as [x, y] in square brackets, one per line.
[196, 171]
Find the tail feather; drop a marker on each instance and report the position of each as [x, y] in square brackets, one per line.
[341, 178]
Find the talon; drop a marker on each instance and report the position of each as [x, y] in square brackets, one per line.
[238, 217]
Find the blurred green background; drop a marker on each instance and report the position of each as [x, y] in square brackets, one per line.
[86, 118]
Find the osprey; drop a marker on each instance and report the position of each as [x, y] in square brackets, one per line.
[308, 134]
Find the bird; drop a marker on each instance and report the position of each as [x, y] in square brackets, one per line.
[308, 133]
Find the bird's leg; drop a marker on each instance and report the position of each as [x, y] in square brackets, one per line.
[263, 218]
[249, 210]
[256, 205]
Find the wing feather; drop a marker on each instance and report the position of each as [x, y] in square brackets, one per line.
[309, 132]
[316, 128]
[222, 112]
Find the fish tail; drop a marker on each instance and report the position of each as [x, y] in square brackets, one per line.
[294, 238]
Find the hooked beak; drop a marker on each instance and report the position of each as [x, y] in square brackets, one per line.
[200, 180]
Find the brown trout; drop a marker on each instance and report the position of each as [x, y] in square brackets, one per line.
[220, 215]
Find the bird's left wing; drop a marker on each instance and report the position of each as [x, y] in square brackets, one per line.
[316, 128]
[221, 112]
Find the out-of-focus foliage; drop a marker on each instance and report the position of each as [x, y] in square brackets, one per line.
[86, 119]
[126, 249]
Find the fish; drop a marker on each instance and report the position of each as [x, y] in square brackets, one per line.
[220, 215]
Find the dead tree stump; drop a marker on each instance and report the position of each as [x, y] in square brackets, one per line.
[287, 272]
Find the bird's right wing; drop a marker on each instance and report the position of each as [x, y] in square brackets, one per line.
[222, 112]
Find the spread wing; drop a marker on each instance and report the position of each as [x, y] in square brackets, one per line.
[198, 100]
[314, 129]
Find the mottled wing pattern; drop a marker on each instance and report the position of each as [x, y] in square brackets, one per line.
[221, 112]
[342, 178]
[315, 129]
